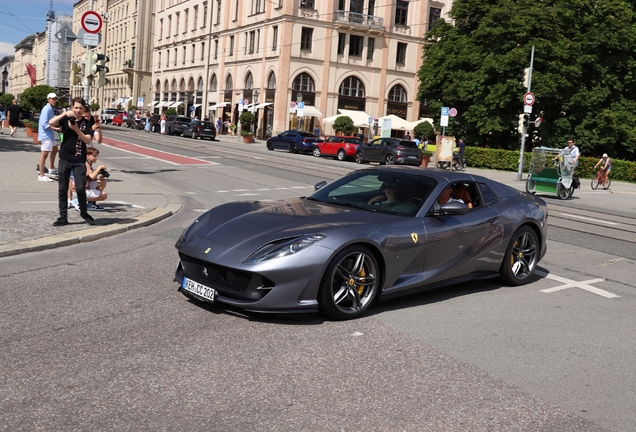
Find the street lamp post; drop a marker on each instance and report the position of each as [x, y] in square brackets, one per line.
[299, 99]
[255, 110]
[5, 75]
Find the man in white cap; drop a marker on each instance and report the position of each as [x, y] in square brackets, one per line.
[47, 138]
[606, 164]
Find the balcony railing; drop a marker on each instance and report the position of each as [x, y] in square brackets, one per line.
[359, 19]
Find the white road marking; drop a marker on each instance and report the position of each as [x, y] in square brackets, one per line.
[191, 193]
[587, 218]
[240, 190]
[247, 194]
[569, 283]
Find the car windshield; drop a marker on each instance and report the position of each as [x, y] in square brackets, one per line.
[307, 134]
[207, 125]
[410, 144]
[397, 193]
[184, 119]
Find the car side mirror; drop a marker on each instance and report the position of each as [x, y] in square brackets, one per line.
[320, 185]
[451, 208]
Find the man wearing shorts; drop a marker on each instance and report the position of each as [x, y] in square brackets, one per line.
[47, 137]
[3, 117]
[15, 112]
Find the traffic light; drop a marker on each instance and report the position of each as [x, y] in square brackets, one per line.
[522, 120]
[101, 69]
[76, 74]
[526, 77]
[90, 63]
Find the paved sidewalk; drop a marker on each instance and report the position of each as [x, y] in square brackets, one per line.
[28, 208]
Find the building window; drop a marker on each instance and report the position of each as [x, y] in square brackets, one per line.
[159, 60]
[275, 38]
[251, 41]
[400, 55]
[258, 6]
[160, 28]
[355, 45]
[183, 55]
[167, 58]
[370, 48]
[213, 84]
[218, 12]
[249, 82]
[205, 14]
[353, 87]
[193, 51]
[236, 8]
[342, 41]
[176, 24]
[195, 18]
[229, 84]
[305, 38]
[216, 49]
[202, 50]
[271, 82]
[185, 24]
[175, 57]
[401, 12]
[397, 94]
[135, 29]
[169, 26]
[356, 6]
[258, 39]
[371, 8]
[433, 15]
[304, 82]
[307, 4]
[231, 46]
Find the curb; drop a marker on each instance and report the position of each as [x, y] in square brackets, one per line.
[92, 234]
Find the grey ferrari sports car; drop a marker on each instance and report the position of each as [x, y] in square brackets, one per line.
[374, 233]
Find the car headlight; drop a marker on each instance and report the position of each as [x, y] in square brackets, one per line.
[283, 248]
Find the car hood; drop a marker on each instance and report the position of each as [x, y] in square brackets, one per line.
[250, 225]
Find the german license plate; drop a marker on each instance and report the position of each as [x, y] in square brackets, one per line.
[199, 290]
[412, 157]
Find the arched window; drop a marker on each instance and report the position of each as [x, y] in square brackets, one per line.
[191, 84]
[304, 82]
[174, 85]
[229, 85]
[213, 83]
[165, 86]
[158, 86]
[182, 85]
[397, 94]
[249, 81]
[271, 81]
[352, 87]
[200, 85]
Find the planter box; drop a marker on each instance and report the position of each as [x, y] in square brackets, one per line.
[248, 139]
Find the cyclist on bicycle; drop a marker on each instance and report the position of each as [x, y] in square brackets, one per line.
[606, 165]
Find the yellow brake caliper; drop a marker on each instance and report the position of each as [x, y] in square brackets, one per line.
[362, 274]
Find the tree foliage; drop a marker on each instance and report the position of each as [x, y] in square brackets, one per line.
[6, 99]
[584, 72]
[424, 131]
[34, 98]
[344, 125]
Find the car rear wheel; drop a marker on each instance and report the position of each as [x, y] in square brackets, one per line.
[522, 256]
[316, 152]
[341, 155]
[389, 159]
[350, 283]
[359, 159]
[269, 146]
[292, 148]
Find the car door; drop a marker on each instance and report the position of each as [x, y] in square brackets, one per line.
[373, 150]
[327, 149]
[462, 244]
[280, 141]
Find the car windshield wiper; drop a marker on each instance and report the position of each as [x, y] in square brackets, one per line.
[342, 203]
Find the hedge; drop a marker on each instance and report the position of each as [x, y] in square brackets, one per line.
[508, 160]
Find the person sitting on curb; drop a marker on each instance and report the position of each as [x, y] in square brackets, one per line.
[95, 180]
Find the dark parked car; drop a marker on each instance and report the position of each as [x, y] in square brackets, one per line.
[200, 129]
[389, 151]
[175, 124]
[373, 234]
[155, 123]
[339, 147]
[294, 141]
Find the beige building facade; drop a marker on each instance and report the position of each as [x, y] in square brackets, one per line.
[126, 38]
[360, 55]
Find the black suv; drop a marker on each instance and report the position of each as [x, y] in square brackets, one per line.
[389, 151]
[175, 124]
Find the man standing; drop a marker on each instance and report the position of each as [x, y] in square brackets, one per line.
[15, 113]
[47, 137]
[461, 146]
[574, 152]
[72, 158]
[3, 117]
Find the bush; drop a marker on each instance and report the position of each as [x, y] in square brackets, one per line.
[171, 111]
[94, 107]
[247, 119]
[344, 125]
[424, 131]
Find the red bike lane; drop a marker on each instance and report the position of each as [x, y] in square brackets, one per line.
[152, 153]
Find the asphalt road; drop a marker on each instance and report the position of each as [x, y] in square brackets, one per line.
[95, 336]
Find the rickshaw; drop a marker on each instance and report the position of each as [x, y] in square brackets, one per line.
[552, 171]
[444, 150]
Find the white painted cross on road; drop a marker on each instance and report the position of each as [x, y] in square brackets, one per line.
[569, 283]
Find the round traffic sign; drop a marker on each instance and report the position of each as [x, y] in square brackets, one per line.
[452, 112]
[528, 98]
[91, 22]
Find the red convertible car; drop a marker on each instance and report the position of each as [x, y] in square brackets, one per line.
[339, 147]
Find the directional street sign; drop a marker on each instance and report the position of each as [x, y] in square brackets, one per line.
[91, 22]
[65, 35]
[528, 98]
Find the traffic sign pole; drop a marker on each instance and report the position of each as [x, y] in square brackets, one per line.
[523, 134]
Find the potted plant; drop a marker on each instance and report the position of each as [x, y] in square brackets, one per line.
[426, 156]
[29, 127]
[247, 120]
[344, 126]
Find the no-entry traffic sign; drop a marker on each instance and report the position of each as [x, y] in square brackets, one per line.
[528, 98]
[91, 22]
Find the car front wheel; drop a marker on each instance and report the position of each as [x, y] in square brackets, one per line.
[270, 146]
[521, 258]
[359, 159]
[350, 283]
[316, 152]
[389, 159]
[292, 148]
[341, 155]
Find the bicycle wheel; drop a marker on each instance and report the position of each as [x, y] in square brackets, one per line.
[607, 183]
[595, 182]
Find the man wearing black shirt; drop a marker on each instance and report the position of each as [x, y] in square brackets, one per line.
[14, 113]
[72, 156]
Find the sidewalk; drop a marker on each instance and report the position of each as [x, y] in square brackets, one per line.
[28, 208]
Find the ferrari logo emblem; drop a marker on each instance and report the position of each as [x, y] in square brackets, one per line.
[414, 237]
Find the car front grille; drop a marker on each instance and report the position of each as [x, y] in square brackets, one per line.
[216, 276]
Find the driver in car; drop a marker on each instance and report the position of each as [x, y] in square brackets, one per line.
[394, 191]
[445, 197]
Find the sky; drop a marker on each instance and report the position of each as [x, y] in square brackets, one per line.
[21, 18]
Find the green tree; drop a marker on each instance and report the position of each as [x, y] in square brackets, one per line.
[34, 98]
[6, 99]
[246, 120]
[171, 111]
[583, 77]
[423, 131]
[344, 125]
[94, 107]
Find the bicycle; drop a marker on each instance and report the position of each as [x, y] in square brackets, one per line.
[601, 178]
[459, 163]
